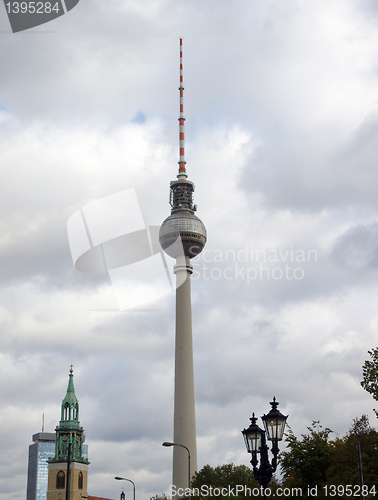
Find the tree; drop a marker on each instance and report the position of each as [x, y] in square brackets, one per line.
[307, 460]
[315, 463]
[370, 375]
[221, 482]
[344, 467]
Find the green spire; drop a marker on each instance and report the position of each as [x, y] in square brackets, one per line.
[69, 430]
[70, 406]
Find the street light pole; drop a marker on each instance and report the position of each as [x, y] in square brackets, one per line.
[68, 482]
[125, 479]
[167, 443]
[255, 441]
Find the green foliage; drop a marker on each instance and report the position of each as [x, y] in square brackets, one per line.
[225, 476]
[162, 496]
[344, 468]
[370, 375]
[315, 461]
[306, 462]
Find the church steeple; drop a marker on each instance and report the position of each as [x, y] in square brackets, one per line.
[70, 406]
[69, 430]
[68, 468]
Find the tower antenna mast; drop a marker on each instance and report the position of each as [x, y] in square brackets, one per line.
[182, 163]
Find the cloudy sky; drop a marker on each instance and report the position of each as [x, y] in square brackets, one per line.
[281, 106]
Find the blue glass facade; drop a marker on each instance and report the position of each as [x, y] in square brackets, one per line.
[42, 449]
[45, 451]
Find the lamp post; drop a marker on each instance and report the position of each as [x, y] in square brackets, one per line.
[255, 441]
[124, 479]
[69, 459]
[167, 443]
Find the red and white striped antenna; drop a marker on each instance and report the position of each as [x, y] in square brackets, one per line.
[182, 169]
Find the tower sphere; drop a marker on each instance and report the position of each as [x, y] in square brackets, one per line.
[182, 232]
[184, 226]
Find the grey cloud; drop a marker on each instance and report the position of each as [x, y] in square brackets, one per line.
[357, 249]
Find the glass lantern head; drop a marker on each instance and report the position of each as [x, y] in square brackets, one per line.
[252, 436]
[274, 422]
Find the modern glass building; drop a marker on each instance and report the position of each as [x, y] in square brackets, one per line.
[43, 447]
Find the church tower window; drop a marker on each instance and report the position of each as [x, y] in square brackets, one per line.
[80, 481]
[60, 480]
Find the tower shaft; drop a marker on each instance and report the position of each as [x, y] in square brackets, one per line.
[184, 425]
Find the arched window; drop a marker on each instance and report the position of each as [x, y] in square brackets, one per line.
[80, 481]
[60, 480]
[76, 412]
[67, 412]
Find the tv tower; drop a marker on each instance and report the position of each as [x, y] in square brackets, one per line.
[183, 236]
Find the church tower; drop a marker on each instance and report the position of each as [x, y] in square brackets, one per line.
[68, 470]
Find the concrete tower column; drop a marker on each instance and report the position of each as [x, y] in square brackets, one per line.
[184, 430]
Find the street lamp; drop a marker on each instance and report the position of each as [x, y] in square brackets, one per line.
[255, 441]
[167, 443]
[124, 479]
